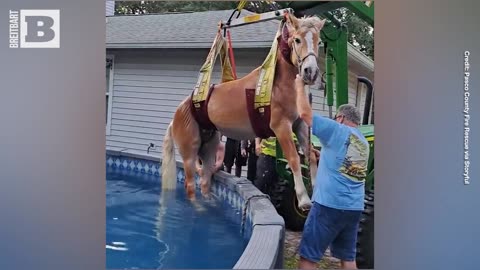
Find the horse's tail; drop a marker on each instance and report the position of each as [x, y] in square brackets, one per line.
[169, 166]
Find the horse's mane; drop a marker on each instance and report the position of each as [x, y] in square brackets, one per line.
[309, 21]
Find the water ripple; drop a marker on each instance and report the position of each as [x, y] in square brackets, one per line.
[151, 228]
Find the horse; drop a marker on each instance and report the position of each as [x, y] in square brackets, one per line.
[227, 111]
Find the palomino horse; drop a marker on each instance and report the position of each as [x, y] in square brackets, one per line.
[227, 110]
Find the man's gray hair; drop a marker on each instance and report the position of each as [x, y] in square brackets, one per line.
[350, 112]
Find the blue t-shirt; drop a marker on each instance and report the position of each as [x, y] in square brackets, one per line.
[340, 181]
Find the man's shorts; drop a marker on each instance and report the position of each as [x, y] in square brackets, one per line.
[327, 226]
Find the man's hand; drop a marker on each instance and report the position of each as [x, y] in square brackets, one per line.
[258, 146]
[317, 153]
[243, 152]
[258, 150]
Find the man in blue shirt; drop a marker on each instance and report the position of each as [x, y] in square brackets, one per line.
[338, 196]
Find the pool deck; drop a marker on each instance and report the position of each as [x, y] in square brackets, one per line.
[265, 248]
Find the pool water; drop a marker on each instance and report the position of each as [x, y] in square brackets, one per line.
[155, 229]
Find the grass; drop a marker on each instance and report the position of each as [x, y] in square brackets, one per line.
[291, 256]
[291, 262]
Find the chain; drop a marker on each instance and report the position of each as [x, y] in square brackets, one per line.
[245, 207]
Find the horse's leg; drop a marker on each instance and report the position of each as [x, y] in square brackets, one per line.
[189, 152]
[188, 143]
[208, 154]
[301, 130]
[283, 132]
[189, 167]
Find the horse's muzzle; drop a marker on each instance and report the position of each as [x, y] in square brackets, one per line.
[310, 75]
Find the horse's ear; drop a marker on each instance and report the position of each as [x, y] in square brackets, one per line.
[291, 22]
[320, 23]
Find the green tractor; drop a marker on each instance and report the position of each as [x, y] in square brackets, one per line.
[334, 37]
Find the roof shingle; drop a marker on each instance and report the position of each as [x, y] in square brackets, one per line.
[184, 30]
[195, 30]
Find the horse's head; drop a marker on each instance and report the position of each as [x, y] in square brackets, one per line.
[303, 38]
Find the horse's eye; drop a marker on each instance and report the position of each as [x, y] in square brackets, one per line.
[297, 40]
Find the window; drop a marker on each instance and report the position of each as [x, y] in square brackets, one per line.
[108, 91]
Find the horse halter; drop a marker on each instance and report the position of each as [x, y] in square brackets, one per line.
[299, 59]
[284, 44]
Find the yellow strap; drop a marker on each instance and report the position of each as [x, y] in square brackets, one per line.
[241, 5]
[263, 91]
[219, 46]
[227, 70]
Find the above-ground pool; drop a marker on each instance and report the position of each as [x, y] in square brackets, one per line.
[149, 228]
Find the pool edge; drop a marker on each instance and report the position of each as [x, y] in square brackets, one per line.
[265, 248]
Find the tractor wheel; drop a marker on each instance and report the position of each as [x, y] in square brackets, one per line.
[284, 199]
[365, 234]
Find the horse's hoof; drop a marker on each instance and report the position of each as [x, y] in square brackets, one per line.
[191, 196]
[305, 204]
[205, 188]
[190, 192]
[206, 195]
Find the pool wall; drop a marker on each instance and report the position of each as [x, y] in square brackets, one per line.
[263, 227]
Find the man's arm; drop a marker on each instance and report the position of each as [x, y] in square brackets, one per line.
[258, 146]
[324, 128]
[303, 106]
[243, 144]
[243, 147]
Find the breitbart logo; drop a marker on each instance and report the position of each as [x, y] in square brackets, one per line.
[34, 28]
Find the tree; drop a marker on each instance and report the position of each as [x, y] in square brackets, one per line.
[262, 6]
[154, 7]
[360, 34]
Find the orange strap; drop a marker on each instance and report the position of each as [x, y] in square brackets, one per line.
[230, 52]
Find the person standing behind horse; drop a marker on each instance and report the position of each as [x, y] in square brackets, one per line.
[233, 156]
[248, 152]
[219, 156]
[266, 171]
[338, 196]
[266, 175]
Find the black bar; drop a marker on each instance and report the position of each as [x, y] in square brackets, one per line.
[368, 99]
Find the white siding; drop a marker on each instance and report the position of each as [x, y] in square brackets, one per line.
[319, 102]
[109, 8]
[149, 85]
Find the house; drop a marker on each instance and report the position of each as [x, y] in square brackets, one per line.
[153, 63]
[109, 8]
